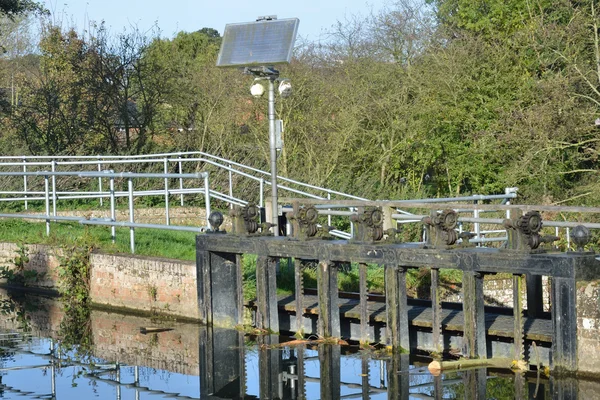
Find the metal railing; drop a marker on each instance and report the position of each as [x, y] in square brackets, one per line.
[163, 161]
[51, 196]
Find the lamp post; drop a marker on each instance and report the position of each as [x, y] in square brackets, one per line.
[258, 46]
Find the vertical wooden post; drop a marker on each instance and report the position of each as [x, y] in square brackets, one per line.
[474, 340]
[329, 311]
[388, 221]
[518, 327]
[564, 324]
[475, 384]
[535, 299]
[436, 311]
[300, 372]
[299, 289]
[269, 362]
[364, 314]
[398, 377]
[222, 365]
[203, 284]
[218, 303]
[329, 360]
[396, 308]
[364, 361]
[267, 316]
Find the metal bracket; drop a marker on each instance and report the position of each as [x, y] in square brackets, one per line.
[523, 233]
[369, 224]
[245, 219]
[304, 221]
[440, 228]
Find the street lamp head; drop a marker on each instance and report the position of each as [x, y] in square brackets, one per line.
[257, 90]
[285, 88]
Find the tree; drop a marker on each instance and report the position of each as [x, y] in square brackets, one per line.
[13, 8]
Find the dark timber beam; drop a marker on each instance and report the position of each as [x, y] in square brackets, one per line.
[396, 308]
[329, 311]
[474, 315]
[267, 314]
[564, 324]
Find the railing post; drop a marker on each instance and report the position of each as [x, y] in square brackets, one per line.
[477, 226]
[53, 189]
[207, 198]
[131, 219]
[47, 195]
[329, 311]
[112, 208]
[25, 181]
[100, 183]
[180, 179]
[166, 169]
[329, 209]
[230, 186]
[396, 308]
[262, 197]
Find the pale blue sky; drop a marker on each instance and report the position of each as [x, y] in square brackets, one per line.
[173, 16]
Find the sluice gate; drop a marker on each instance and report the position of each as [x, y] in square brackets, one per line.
[472, 329]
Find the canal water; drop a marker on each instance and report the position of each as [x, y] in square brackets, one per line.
[47, 354]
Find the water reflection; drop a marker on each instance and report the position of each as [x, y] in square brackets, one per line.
[194, 362]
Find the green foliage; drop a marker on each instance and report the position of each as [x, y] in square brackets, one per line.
[74, 280]
[455, 97]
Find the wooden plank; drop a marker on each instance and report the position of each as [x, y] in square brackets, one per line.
[536, 329]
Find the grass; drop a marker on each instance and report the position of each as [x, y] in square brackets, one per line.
[148, 242]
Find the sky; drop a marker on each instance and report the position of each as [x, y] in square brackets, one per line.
[172, 16]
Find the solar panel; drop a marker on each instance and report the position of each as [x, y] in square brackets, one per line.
[265, 42]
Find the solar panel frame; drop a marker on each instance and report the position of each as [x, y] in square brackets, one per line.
[260, 43]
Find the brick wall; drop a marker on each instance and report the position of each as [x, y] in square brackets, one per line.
[146, 284]
[588, 327]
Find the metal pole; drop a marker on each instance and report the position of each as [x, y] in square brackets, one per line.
[136, 381]
[47, 193]
[166, 161]
[261, 201]
[25, 181]
[118, 381]
[180, 180]
[274, 204]
[112, 209]
[131, 229]
[53, 370]
[230, 186]
[329, 216]
[207, 199]
[100, 183]
[53, 189]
